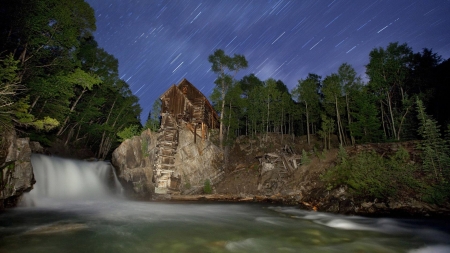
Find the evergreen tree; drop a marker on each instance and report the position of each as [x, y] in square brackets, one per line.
[435, 151]
[153, 120]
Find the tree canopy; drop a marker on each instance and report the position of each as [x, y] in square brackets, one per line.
[56, 83]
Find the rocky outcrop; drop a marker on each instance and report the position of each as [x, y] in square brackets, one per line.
[16, 171]
[197, 162]
[133, 161]
[194, 163]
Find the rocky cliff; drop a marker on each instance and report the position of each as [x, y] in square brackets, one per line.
[197, 162]
[133, 161]
[16, 172]
[193, 164]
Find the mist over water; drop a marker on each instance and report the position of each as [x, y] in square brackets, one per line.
[76, 210]
[63, 180]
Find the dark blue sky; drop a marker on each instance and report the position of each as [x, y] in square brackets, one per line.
[158, 43]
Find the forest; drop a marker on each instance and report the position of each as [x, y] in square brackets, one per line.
[382, 109]
[404, 99]
[57, 84]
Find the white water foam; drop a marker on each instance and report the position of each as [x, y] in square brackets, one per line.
[243, 245]
[67, 179]
[432, 249]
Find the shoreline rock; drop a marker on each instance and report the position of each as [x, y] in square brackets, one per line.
[16, 171]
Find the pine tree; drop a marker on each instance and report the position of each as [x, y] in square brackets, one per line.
[435, 154]
[305, 159]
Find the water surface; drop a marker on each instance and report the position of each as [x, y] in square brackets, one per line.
[75, 221]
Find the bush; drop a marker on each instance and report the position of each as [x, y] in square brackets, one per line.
[207, 188]
[305, 159]
[437, 193]
[128, 132]
[370, 175]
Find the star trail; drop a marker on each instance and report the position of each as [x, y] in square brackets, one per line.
[158, 43]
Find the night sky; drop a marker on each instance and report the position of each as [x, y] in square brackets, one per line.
[158, 43]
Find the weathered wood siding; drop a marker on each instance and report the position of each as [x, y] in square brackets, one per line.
[173, 102]
[203, 110]
[186, 102]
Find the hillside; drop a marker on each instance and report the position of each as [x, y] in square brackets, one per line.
[263, 169]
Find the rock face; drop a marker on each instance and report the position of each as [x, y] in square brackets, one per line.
[194, 163]
[133, 163]
[16, 172]
[197, 162]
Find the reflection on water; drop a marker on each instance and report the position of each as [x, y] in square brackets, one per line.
[86, 218]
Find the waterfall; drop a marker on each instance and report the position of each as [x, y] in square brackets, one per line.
[67, 179]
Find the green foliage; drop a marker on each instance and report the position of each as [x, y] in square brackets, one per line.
[438, 193]
[85, 80]
[64, 76]
[306, 93]
[44, 140]
[327, 129]
[435, 150]
[21, 111]
[342, 155]
[322, 155]
[226, 67]
[9, 85]
[305, 158]
[435, 158]
[371, 175]
[153, 121]
[25, 118]
[144, 147]
[187, 185]
[128, 132]
[46, 124]
[207, 188]
[366, 124]
[388, 70]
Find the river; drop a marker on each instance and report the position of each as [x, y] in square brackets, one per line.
[75, 216]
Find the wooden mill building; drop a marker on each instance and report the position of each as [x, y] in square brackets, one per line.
[185, 102]
[182, 104]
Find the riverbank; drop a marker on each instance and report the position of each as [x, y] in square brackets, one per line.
[366, 209]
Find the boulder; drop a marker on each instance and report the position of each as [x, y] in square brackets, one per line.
[16, 171]
[133, 162]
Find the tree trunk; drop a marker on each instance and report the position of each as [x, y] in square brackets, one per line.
[268, 113]
[71, 110]
[281, 124]
[382, 119]
[307, 123]
[352, 138]
[392, 116]
[222, 110]
[229, 121]
[34, 103]
[401, 123]
[338, 119]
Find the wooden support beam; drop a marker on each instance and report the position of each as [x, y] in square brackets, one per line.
[195, 133]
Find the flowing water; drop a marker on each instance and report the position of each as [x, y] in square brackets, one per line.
[75, 208]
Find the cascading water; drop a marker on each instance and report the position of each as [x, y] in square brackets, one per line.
[75, 212]
[62, 179]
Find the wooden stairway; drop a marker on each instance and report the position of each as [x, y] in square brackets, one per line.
[163, 172]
